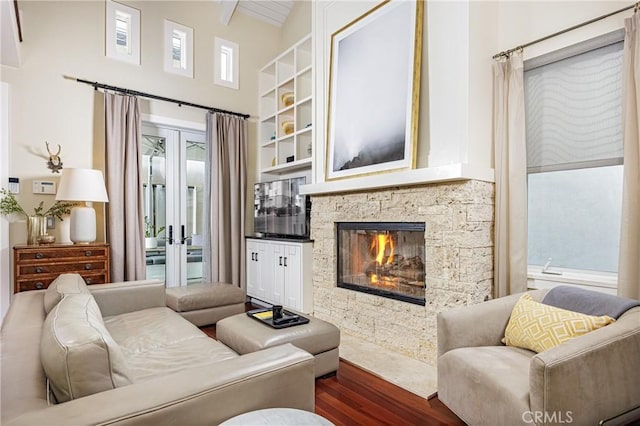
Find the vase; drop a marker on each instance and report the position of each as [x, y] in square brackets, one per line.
[150, 242]
[36, 226]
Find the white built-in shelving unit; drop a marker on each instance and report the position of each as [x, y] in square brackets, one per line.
[291, 72]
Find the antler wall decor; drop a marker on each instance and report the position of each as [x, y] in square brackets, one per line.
[54, 163]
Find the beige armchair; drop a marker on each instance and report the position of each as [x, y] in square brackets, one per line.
[588, 379]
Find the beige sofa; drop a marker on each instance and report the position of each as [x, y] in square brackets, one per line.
[117, 355]
[588, 379]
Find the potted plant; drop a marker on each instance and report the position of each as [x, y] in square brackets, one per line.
[150, 234]
[36, 223]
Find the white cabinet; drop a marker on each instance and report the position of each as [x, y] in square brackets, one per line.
[279, 273]
[285, 128]
[260, 272]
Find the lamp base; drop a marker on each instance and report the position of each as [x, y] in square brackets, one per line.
[83, 225]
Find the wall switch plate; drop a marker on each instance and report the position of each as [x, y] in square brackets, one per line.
[14, 185]
[44, 187]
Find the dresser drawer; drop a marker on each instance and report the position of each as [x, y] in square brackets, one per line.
[35, 267]
[52, 254]
[34, 284]
[61, 268]
[43, 282]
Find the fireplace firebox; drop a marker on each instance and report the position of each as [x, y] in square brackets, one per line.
[383, 258]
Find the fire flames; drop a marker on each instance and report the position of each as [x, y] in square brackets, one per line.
[381, 242]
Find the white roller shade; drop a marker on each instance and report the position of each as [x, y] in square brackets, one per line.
[574, 111]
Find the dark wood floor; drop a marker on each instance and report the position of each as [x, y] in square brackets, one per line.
[356, 397]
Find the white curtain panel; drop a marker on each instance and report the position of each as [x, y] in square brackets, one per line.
[225, 190]
[629, 267]
[510, 254]
[125, 224]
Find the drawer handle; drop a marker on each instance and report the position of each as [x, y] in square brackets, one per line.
[39, 270]
[39, 255]
[87, 280]
[87, 266]
[88, 253]
[39, 286]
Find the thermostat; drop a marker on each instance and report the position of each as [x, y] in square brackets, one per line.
[44, 187]
[14, 185]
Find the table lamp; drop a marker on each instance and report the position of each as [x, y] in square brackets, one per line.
[85, 185]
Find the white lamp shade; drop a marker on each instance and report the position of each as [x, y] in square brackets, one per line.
[82, 185]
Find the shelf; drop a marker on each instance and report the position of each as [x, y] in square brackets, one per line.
[305, 100]
[267, 92]
[448, 173]
[286, 110]
[291, 72]
[305, 130]
[305, 163]
[271, 118]
[283, 139]
[303, 70]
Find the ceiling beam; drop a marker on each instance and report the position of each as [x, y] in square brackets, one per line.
[228, 8]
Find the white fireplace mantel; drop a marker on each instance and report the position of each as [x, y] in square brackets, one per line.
[451, 172]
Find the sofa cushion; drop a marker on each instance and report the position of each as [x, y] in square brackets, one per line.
[158, 341]
[78, 354]
[538, 327]
[204, 295]
[64, 284]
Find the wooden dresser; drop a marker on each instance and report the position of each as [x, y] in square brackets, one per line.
[35, 267]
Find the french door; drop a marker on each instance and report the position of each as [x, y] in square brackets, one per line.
[173, 185]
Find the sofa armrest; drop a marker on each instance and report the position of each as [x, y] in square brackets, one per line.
[595, 376]
[281, 376]
[129, 296]
[475, 325]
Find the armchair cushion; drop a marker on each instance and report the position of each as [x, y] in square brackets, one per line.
[484, 376]
[539, 327]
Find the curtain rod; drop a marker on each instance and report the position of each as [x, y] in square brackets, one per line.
[636, 7]
[97, 86]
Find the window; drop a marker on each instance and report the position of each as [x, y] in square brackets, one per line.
[123, 32]
[573, 104]
[178, 45]
[179, 39]
[123, 25]
[226, 63]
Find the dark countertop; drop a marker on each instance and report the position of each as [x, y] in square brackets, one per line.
[277, 238]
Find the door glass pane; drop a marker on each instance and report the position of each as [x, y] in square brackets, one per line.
[195, 199]
[155, 206]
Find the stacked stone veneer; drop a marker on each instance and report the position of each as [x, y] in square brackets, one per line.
[458, 220]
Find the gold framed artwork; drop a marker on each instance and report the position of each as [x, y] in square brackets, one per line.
[374, 90]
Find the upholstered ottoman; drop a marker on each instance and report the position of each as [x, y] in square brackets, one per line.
[320, 338]
[206, 303]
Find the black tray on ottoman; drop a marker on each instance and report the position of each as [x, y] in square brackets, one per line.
[289, 319]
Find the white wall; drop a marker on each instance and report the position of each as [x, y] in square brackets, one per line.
[524, 21]
[5, 249]
[297, 25]
[460, 38]
[67, 37]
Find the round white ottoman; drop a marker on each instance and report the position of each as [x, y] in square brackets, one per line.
[277, 416]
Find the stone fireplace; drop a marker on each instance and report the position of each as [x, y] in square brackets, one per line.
[382, 258]
[457, 250]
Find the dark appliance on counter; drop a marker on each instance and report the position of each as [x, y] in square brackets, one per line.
[280, 210]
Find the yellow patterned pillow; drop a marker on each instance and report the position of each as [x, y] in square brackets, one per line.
[538, 327]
